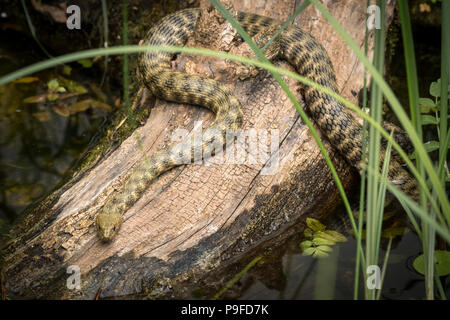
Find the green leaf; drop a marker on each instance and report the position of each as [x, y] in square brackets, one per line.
[310, 251]
[314, 224]
[325, 248]
[305, 245]
[86, 63]
[393, 232]
[435, 88]
[429, 147]
[441, 261]
[72, 86]
[322, 252]
[332, 235]
[67, 69]
[53, 85]
[52, 97]
[308, 233]
[428, 119]
[426, 105]
[321, 241]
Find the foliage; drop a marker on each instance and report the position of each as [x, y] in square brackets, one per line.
[320, 239]
[441, 262]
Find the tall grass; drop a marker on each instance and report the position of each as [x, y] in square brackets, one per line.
[424, 168]
[105, 38]
[430, 176]
[428, 233]
[373, 210]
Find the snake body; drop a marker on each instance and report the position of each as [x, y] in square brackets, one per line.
[294, 45]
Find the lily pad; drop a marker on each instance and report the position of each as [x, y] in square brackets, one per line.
[441, 261]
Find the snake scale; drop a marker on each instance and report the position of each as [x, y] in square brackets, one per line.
[294, 45]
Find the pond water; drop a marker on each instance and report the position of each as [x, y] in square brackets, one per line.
[304, 277]
[46, 122]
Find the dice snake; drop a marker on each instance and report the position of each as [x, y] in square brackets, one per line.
[296, 46]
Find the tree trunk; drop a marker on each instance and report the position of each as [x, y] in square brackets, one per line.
[197, 218]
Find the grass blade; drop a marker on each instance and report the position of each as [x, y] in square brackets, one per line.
[236, 278]
[32, 29]
[105, 37]
[374, 212]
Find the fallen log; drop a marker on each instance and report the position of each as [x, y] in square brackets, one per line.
[197, 218]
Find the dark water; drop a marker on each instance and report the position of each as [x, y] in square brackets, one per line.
[40, 141]
[333, 277]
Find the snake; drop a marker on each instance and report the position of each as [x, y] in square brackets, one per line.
[155, 72]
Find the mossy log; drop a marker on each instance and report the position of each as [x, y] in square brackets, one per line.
[196, 218]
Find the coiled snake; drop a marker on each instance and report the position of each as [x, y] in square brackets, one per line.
[294, 45]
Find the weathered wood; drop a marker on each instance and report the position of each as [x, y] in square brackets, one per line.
[194, 218]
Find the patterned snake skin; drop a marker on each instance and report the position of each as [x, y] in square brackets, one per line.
[294, 45]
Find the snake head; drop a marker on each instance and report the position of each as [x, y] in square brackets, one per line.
[108, 225]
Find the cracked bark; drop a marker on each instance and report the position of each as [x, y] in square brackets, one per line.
[195, 219]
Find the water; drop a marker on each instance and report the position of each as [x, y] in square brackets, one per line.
[41, 141]
[333, 278]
